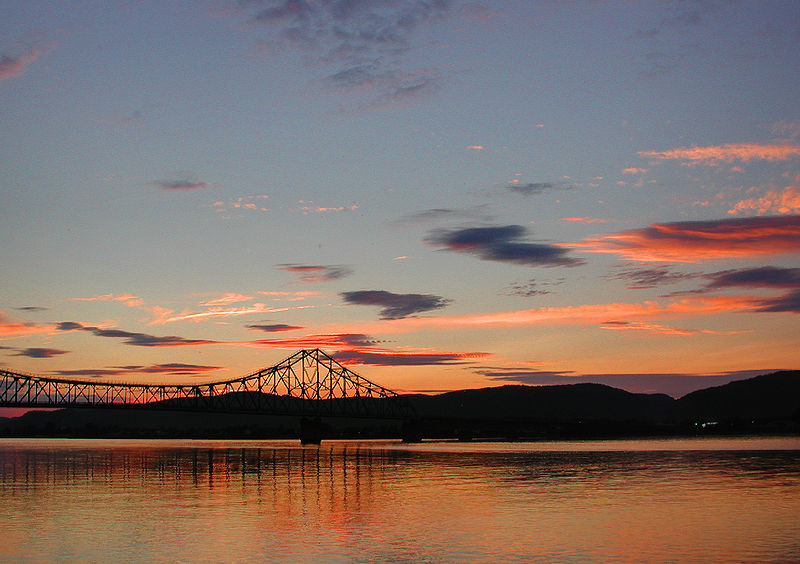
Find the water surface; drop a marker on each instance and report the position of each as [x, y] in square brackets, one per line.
[722, 500]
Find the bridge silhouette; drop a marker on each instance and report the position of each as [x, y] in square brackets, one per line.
[309, 384]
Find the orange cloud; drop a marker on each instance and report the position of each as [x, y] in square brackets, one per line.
[590, 314]
[14, 66]
[774, 201]
[693, 241]
[660, 329]
[225, 299]
[583, 219]
[221, 312]
[12, 328]
[727, 153]
[126, 299]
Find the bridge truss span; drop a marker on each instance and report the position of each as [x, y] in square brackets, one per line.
[308, 383]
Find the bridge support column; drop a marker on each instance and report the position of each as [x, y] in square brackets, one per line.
[411, 431]
[312, 431]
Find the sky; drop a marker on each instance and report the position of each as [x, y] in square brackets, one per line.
[441, 194]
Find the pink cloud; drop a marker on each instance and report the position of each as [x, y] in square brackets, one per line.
[126, 299]
[784, 201]
[359, 349]
[217, 312]
[694, 241]
[15, 66]
[225, 299]
[583, 219]
[13, 328]
[475, 147]
[727, 153]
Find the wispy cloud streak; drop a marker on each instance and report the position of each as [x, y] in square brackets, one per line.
[693, 241]
[727, 153]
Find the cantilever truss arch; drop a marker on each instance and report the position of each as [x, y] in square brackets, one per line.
[308, 383]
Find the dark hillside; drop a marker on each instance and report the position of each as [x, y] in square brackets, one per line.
[769, 397]
[546, 403]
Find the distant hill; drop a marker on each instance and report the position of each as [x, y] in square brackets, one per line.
[767, 397]
[764, 404]
[546, 403]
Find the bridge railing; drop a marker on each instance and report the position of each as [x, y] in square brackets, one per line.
[306, 383]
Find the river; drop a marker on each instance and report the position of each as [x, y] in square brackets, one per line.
[680, 500]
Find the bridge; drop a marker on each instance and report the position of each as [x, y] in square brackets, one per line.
[309, 383]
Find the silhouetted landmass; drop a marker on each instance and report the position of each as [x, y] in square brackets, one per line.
[765, 404]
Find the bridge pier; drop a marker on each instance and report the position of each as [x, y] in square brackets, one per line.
[411, 431]
[312, 431]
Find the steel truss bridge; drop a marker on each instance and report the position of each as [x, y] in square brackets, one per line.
[309, 384]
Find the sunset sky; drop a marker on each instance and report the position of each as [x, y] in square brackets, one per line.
[441, 194]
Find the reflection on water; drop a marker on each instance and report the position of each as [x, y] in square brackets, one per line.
[712, 500]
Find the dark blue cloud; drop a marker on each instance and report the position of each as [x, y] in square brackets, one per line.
[36, 352]
[275, 327]
[502, 244]
[395, 306]
[762, 277]
[645, 278]
[131, 338]
[787, 303]
[536, 188]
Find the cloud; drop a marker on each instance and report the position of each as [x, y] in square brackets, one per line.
[13, 328]
[317, 273]
[225, 299]
[275, 328]
[347, 29]
[789, 129]
[186, 183]
[501, 244]
[642, 279]
[764, 277]
[216, 312]
[587, 220]
[787, 303]
[11, 66]
[727, 153]
[172, 369]
[761, 277]
[532, 288]
[786, 201]
[358, 44]
[359, 349]
[434, 215]
[32, 309]
[395, 306]
[536, 188]
[321, 209]
[36, 352]
[126, 299]
[134, 339]
[399, 358]
[338, 341]
[694, 241]
[658, 329]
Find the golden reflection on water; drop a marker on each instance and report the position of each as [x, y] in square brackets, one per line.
[363, 502]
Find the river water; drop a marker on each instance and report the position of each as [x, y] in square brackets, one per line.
[698, 500]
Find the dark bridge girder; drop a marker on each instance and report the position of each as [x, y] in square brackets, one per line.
[309, 383]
